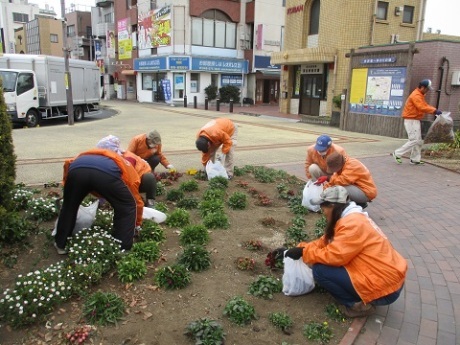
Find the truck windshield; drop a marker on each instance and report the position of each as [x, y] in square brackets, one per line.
[9, 80]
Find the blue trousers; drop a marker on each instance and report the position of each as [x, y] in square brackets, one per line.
[338, 283]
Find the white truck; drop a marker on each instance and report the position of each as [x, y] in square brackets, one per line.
[35, 87]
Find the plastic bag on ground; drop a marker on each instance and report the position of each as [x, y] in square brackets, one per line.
[311, 191]
[85, 218]
[215, 169]
[441, 130]
[297, 278]
[155, 215]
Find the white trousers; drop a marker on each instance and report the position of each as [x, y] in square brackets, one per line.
[415, 142]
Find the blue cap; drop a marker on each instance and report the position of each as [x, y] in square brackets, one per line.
[426, 83]
[323, 143]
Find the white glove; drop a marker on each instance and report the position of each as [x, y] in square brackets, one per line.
[221, 157]
[170, 167]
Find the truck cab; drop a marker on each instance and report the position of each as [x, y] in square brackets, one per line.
[20, 91]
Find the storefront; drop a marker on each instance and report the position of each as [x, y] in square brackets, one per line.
[267, 79]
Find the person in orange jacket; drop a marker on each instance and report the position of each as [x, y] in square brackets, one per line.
[414, 110]
[103, 172]
[354, 260]
[148, 146]
[216, 133]
[315, 164]
[351, 174]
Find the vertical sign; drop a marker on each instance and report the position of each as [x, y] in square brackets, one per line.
[260, 36]
[124, 40]
[166, 84]
[110, 44]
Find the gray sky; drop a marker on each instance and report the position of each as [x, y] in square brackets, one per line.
[440, 14]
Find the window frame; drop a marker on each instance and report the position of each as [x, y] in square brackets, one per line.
[54, 38]
[209, 25]
[382, 6]
[408, 10]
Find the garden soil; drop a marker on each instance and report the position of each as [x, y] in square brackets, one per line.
[158, 317]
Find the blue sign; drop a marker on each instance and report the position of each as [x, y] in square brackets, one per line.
[219, 65]
[264, 62]
[231, 79]
[179, 63]
[166, 84]
[150, 64]
[390, 59]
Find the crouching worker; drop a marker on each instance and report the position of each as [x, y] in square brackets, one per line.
[104, 173]
[354, 260]
[219, 132]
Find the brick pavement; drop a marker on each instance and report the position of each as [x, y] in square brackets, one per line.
[417, 207]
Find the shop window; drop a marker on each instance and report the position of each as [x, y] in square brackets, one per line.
[195, 82]
[408, 14]
[382, 10]
[147, 81]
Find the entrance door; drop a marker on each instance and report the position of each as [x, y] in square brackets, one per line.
[311, 88]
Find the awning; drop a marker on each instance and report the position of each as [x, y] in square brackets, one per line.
[270, 72]
[129, 72]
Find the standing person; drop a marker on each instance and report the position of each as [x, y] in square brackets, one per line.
[102, 171]
[219, 132]
[315, 165]
[353, 176]
[148, 146]
[353, 260]
[414, 110]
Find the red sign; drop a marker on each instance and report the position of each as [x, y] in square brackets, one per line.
[295, 9]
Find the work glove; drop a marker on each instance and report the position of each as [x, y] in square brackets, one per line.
[321, 180]
[294, 253]
[221, 158]
[278, 253]
[171, 168]
[437, 112]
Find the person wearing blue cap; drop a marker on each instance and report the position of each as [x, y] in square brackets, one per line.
[315, 164]
[414, 110]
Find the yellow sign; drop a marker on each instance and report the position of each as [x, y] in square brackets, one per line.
[358, 85]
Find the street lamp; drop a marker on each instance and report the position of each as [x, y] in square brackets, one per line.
[68, 81]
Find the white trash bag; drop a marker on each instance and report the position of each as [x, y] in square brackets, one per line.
[85, 218]
[155, 215]
[215, 169]
[311, 191]
[297, 277]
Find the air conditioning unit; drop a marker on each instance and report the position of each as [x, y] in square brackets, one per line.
[455, 78]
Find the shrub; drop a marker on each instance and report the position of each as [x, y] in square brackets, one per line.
[337, 101]
[238, 201]
[131, 268]
[206, 331]
[239, 311]
[188, 203]
[228, 92]
[195, 258]
[103, 308]
[216, 220]
[174, 195]
[194, 234]
[172, 277]
[281, 320]
[218, 182]
[189, 186]
[42, 209]
[21, 197]
[14, 227]
[178, 218]
[213, 194]
[151, 231]
[209, 206]
[147, 250]
[265, 287]
[211, 92]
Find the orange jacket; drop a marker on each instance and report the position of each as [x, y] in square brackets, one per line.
[142, 167]
[354, 173]
[128, 175]
[138, 146]
[416, 106]
[376, 269]
[219, 132]
[313, 157]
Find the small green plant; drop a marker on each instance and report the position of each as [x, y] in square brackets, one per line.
[320, 226]
[189, 186]
[318, 331]
[265, 287]
[264, 200]
[218, 182]
[131, 268]
[14, 228]
[265, 175]
[296, 232]
[337, 101]
[160, 188]
[42, 209]
[146, 250]
[194, 234]
[172, 277]
[174, 195]
[456, 142]
[188, 203]
[216, 220]
[195, 258]
[253, 245]
[334, 313]
[21, 196]
[281, 320]
[239, 171]
[178, 218]
[103, 308]
[212, 194]
[239, 311]
[295, 205]
[151, 231]
[162, 207]
[206, 332]
[238, 201]
[104, 219]
[245, 264]
[210, 206]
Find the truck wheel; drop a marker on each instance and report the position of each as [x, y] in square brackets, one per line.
[32, 118]
[78, 114]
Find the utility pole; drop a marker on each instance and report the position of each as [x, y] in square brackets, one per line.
[68, 80]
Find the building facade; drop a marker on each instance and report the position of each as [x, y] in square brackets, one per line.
[41, 36]
[319, 33]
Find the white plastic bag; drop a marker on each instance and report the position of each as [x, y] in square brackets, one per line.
[297, 277]
[311, 191]
[155, 215]
[85, 218]
[215, 169]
